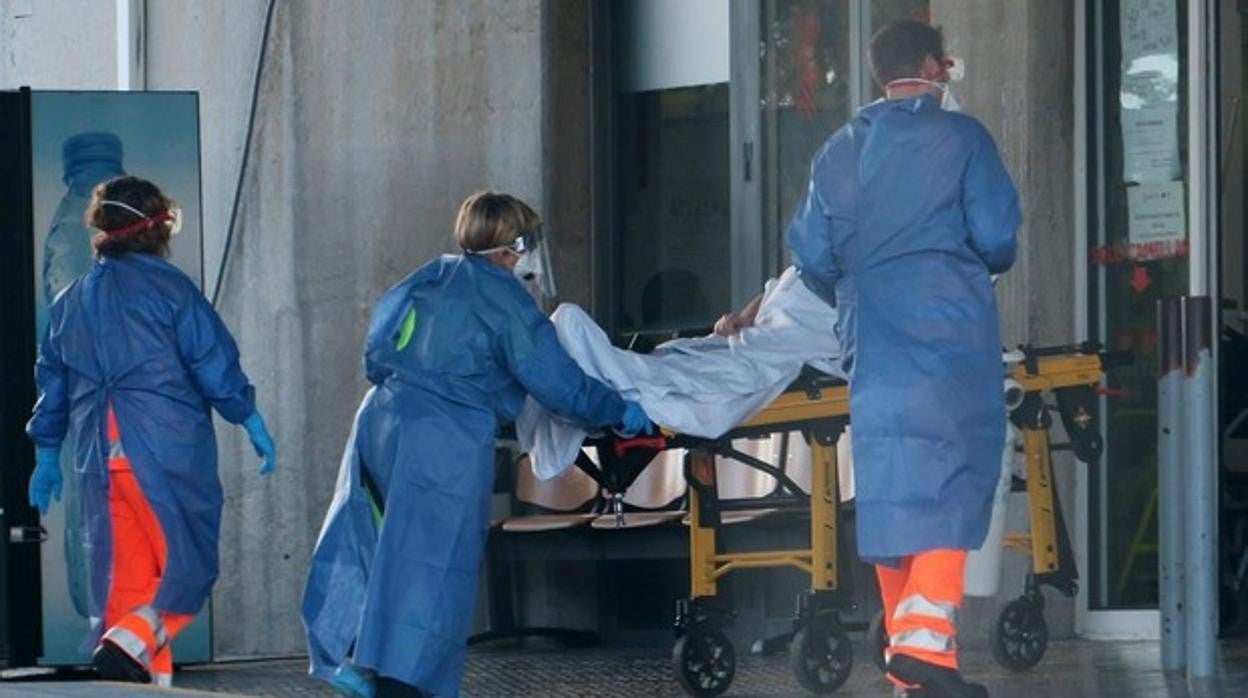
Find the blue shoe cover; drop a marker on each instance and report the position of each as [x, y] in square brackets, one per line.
[352, 682]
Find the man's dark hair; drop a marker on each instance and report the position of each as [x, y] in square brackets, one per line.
[898, 50]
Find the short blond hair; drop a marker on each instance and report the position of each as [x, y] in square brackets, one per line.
[489, 219]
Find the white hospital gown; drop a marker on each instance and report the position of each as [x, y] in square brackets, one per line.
[701, 387]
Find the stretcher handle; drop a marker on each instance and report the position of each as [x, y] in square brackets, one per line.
[1114, 359]
[1109, 359]
[656, 443]
[1060, 349]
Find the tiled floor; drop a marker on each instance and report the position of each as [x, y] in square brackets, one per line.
[1080, 668]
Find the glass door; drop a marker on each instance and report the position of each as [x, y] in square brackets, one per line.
[1148, 160]
[715, 111]
[814, 75]
[670, 113]
[1139, 254]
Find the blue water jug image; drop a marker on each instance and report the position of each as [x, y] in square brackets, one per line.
[87, 160]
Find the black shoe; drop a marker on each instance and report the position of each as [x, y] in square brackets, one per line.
[933, 681]
[113, 664]
[393, 688]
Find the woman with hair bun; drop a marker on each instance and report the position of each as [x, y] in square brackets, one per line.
[133, 361]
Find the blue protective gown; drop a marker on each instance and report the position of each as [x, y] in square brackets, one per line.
[136, 332]
[909, 211]
[399, 598]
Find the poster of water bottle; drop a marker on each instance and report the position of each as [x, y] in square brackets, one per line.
[78, 140]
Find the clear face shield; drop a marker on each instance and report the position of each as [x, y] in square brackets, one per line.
[534, 263]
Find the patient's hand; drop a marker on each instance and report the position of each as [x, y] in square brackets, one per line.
[732, 323]
[729, 324]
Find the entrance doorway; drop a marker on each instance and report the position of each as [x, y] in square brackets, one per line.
[1145, 242]
[1233, 250]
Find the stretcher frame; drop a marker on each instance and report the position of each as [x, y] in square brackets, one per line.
[1019, 634]
[820, 652]
[821, 411]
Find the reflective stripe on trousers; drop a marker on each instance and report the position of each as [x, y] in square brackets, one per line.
[921, 598]
[139, 634]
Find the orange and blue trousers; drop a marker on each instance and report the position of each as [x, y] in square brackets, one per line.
[920, 598]
[139, 557]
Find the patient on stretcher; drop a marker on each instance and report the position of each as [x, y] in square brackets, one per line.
[702, 386]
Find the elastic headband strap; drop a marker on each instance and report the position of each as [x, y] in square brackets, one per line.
[123, 205]
[145, 224]
[524, 242]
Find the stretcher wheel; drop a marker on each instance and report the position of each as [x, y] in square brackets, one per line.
[877, 641]
[704, 661]
[1020, 636]
[821, 658]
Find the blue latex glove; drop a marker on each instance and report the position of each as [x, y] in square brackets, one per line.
[635, 420]
[262, 441]
[46, 481]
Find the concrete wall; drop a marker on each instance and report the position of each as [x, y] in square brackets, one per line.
[210, 48]
[1019, 82]
[58, 44]
[364, 147]
[207, 47]
[566, 156]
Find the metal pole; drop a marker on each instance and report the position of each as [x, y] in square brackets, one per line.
[743, 125]
[1201, 487]
[131, 45]
[860, 67]
[1199, 222]
[1170, 422]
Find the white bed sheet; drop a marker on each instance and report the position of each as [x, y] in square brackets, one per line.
[703, 386]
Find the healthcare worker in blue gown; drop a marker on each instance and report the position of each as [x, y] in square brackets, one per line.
[452, 351]
[133, 361]
[909, 213]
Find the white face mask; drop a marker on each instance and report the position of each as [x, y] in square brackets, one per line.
[947, 101]
[529, 267]
[535, 266]
[955, 69]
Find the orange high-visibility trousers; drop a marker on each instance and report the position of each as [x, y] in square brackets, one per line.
[920, 598]
[139, 556]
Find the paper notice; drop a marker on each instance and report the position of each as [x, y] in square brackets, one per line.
[1149, 28]
[1156, 213]
[1150, 144]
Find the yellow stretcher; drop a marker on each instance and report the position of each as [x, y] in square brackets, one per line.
[820, 652]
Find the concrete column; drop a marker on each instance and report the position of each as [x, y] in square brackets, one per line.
[1200, 490]
[1019, 82]
[1019, 79]
[1171, 518]
[214, 53]
[566, 206]
[373, 125]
